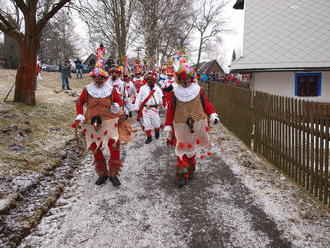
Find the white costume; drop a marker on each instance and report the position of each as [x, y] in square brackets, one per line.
[128, 96]
[150, 110]
[162, 80]
[118, 84]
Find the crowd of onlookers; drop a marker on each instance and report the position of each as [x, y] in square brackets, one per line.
[230, 78]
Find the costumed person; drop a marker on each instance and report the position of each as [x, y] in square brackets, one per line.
[114, 79]
[137, 67]
[187, 114]
[162, 78]
[104, 124]
[128, 96]
[167, 88]
[148, 102]
[138, 81]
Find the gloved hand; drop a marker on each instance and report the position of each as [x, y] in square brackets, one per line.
[80, 118]
[115, 108]
[214, 118]
[168, 132]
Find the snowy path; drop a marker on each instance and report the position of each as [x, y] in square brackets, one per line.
[148, 210]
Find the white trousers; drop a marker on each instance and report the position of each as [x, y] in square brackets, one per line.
[152, 122]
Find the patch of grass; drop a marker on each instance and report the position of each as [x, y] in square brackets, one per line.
[41, 129]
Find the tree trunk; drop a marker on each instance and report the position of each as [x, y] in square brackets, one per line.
[26, 74]
[199, 54]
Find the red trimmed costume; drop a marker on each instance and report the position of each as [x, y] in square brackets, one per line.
[138, 82]
[148, 103]
[99, 102]
[188, 113]
[104, 122]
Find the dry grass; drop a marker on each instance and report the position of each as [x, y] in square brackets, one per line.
[41, 129]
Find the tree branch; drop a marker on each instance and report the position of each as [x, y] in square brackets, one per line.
[5, 21]
[56, 7]
[22, 6]
[11, 32]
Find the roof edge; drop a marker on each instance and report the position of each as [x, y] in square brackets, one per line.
[281, 69]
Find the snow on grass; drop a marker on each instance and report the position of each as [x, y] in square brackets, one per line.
[32, 137]
[303, 220]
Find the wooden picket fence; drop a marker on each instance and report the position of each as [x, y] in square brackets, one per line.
[292, 134]
[234, 108]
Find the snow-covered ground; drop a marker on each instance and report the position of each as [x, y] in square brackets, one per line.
[236, 200]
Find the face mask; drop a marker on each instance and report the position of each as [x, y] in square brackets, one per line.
[151, 85]
[114, 77]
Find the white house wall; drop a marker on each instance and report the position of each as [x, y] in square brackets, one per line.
[283, 84]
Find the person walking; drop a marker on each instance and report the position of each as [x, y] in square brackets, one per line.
[104, 123]
[148, 102]
[188, 114]
[65, 75]
[101, 125]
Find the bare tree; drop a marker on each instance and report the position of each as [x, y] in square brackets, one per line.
[36, 15]
[57, 41]
[109, 22]
[208, 23]
[165, 26]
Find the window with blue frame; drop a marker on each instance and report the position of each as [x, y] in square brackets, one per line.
[308, 84]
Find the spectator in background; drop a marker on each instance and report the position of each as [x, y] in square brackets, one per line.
[204, 78]
[38, 72]
[65, 75]
[198, 78]
[78, 64]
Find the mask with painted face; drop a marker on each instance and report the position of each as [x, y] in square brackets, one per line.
[151, 79]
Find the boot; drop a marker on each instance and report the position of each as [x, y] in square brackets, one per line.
[157, 135]
[115, 181]
[148, 140]
[182, 181]
[101, 180]
[191, 173]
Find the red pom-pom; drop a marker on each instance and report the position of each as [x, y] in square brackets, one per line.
[202, 157]
[98, 138]
[198, 141]
[105, 132]
[209, 153]
[84, 130]
[92, 136]
[189, 146]
[181, 145]
[116, 124]
[74, 125]
[207, 129]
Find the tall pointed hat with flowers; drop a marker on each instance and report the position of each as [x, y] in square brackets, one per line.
[182, 68]
[98, 69]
